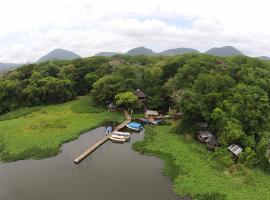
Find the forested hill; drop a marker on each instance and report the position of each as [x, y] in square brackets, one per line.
[231, 94]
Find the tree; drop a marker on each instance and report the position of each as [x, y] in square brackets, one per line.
[105, 88]
[232, 132]
[127, 100]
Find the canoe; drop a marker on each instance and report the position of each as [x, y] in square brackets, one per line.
[124, 134]
[117, 138]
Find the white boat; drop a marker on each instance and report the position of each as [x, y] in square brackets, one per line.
[117, 138]
[125, 134]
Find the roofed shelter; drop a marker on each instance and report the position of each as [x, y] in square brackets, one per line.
[141, 95]
[202, 136]
[235, 149]
[151, 113]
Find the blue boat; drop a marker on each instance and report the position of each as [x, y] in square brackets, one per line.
[144, 120]
[135, 126]
[108, 130]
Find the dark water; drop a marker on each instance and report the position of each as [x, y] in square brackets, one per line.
[113, 172]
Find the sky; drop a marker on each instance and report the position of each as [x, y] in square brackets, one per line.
[30, 29]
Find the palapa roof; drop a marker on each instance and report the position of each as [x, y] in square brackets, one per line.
[151, 112]
[140, 93]
[235, 149]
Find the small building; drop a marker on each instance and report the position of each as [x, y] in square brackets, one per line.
[111, 107]
[202, 136]
[141, 96]
[212, 143]
[235, 149]
[151, 113]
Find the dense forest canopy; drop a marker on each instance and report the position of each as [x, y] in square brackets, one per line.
[230, 94]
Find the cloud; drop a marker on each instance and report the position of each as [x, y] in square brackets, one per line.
[31, 28]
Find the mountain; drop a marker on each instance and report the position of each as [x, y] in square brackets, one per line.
[224, 51]
[8, 66]
[59, 54]
[140, 51]
[264, 58]
[107, 54]
[178, 51]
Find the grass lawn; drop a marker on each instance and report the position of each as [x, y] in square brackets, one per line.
[188, 163]
[39, 132]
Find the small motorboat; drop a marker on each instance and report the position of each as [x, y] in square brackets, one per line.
[117, 138]
[125, 134]
[135, 126]
[154, 121]
[144, 120]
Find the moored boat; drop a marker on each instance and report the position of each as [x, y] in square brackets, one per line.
[117, 138]
[135, 126]
[144, 120]
[125, 134]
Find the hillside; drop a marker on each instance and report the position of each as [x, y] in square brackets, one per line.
[107, 54]
[178, 51]
[8, 66]
[140, 51]
[264, 58]
[59, 54]
[224, 51]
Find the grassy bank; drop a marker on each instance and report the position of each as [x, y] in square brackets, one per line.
[39, 132]
[189, 164]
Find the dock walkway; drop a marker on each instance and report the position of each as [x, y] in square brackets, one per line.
[103, 140]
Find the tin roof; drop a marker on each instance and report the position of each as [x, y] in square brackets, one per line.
[235, 149]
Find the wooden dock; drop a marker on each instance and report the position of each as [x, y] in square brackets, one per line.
[103, 140]
[91, 149]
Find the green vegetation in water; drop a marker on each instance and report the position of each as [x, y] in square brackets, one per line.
[18, 113]
[40, 132]
[193, 172]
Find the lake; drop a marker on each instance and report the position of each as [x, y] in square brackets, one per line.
[113, 172]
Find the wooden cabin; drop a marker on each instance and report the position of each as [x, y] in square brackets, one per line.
[202, 136]
[111, 107]
[235, 149]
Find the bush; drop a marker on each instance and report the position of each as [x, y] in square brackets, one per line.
[223, 158]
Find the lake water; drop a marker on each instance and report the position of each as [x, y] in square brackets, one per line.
[113, 172]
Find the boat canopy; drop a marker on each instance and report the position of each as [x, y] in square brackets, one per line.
[135, 124]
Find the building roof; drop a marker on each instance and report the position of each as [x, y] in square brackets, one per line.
[235, 149]
[205, 134]
[212, 140]
[140, 93]
[151, 112]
